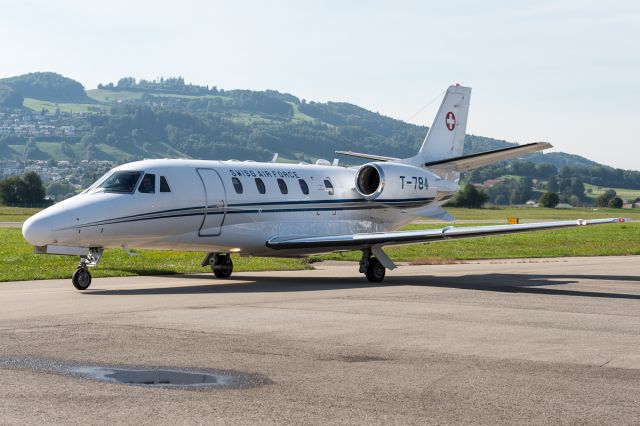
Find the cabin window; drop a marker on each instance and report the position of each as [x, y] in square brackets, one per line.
[237, 185]
[303, 186]
[260, 185]
[121, 182]
[283, 186]
[327, 184]
[164, 186]
[148, 184]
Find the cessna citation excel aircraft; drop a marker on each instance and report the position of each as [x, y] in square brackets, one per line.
[268, 209]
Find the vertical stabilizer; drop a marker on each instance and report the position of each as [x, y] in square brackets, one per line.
[445, 138]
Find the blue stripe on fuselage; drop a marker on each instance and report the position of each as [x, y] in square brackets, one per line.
[232, 209]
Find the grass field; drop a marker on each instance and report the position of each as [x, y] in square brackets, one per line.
[113, 95]
[126, 95]
[502, 214]
[17, 261]
[38, 105]
[603, 240]
[298, 115]
[626, 194]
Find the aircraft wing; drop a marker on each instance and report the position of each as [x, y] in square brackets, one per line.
[367, 156]
[360, 241]
[473, 161]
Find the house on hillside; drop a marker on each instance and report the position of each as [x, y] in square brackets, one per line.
[564, 206]
[491, 182]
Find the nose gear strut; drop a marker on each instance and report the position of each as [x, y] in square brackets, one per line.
[81, 278]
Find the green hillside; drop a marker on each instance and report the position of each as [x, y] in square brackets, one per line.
[39, 105]
[628, 194]
[133, 119]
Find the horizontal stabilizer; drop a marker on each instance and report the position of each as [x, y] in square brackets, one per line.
[367, 156]
[474, 161]
[361, 241]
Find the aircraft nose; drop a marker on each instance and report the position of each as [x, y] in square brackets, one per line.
[37, 230]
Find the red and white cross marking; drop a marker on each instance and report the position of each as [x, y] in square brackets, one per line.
[450, 121]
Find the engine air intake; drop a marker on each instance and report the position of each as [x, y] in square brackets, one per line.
[369, 181]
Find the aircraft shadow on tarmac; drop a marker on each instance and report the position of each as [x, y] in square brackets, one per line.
[503, 283]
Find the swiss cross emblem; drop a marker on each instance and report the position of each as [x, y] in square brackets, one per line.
[450, 121]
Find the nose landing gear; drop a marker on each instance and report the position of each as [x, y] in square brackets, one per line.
[81, 278]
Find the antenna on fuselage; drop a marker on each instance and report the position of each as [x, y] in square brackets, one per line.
[275, 158]
[335, 162]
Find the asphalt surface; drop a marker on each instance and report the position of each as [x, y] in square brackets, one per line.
[517, 342]
[11, 224]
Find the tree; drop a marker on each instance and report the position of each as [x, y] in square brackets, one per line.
[12, 189]
[577, 188]
[126, 82]
[545, 171]
[604, 199]
[60, 189]
[10, 98]
[34, 189]
[574, 200]
[552, 184]
[470, 197]
[22, 190]
[524, 189]
[549, 200]
[616, 203]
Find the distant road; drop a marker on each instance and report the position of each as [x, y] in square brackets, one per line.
[11, 224]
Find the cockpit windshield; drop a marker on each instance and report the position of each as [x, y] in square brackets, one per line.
[121, 182]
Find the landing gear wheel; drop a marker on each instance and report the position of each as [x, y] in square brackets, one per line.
[375, 271]
[223, 266]
[81, 278]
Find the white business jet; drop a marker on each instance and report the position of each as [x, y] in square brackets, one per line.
[268, 209]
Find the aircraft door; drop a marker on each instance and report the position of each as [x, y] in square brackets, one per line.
[215, 205]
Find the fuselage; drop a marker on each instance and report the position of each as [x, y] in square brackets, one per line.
[226, 206]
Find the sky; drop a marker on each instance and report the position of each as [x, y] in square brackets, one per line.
[564, 72]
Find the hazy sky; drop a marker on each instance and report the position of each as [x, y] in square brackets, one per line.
[565, 72]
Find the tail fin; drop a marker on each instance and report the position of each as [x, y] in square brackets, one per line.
[445, 138]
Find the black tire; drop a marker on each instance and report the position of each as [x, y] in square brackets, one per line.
[375, 272]
[81, 279]
[225, 270]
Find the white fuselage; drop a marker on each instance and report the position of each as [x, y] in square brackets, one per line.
[202, 207]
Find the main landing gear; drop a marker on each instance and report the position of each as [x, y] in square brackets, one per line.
[81, 278]
[371, 267]
[221, 264]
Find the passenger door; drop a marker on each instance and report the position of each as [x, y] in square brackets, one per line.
[215, 204]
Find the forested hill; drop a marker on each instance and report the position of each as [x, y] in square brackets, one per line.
[47, 86]
[134, 119]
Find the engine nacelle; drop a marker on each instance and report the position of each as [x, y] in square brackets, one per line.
[392, 181]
